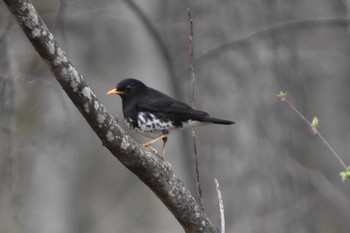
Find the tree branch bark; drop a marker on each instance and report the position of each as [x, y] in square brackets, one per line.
[150, 168]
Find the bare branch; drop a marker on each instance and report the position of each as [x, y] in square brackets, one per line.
[193, 87]
[150, 168]
[221, 205]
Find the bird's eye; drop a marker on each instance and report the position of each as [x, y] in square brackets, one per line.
[128, 87]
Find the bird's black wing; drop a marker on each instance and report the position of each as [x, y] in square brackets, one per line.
[158, 102]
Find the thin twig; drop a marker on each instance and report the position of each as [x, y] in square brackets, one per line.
[221, 205]
[193, 87]
[284, 99]
[332, 150]
[297, 112]
[193, 74]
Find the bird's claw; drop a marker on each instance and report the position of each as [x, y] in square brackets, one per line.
[149, 147]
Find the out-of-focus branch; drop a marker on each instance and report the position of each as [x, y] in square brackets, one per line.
[275, 29]
[9, 161]
[150, 168]
[155, 35]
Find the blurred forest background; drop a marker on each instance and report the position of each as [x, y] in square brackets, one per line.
[275, 176]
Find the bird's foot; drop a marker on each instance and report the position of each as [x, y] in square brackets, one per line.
[147, 145]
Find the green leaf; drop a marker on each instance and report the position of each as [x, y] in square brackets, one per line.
[345, 175]
[282, 95]
[315, 125]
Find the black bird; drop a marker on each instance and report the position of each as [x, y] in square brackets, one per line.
[153, 114]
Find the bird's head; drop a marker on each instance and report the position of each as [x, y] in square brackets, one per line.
[128, 88]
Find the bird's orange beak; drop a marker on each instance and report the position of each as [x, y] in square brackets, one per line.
[115, 92]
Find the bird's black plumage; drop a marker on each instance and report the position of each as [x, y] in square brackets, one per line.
[153, 113]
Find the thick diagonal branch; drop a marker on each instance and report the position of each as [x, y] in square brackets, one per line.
[150, 168]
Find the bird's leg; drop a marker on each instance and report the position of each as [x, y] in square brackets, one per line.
[147, 144]
[165, 140]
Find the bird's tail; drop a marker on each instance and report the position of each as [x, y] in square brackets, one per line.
[218, 121]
